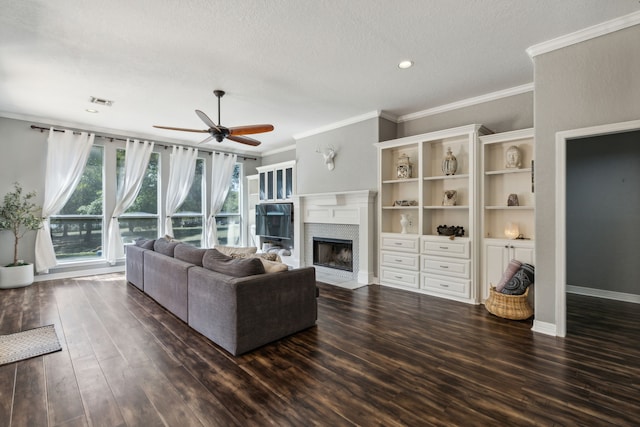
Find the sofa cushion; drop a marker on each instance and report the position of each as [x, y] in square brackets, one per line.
[231, 250]
[165, 247]
[189, 253]
[145, 243]
[236, 267]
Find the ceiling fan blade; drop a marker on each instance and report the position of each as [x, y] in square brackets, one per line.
[204, 141]
[207, 121]
[250, 129]
[244, 140]
[182, 129]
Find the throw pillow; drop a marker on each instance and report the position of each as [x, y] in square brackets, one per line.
[229, 250]
[512, 269]
[273, 266]
[189, 253]
[269, 257]
[145, 243]
[236, 267]
[165, 247]
[520, 281]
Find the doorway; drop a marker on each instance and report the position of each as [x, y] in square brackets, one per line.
[562, 139]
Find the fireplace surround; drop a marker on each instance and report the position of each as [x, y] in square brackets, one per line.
[345, 215]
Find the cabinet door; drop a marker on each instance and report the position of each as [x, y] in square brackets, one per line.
[523, 255]
[288, 192]
[263, 186]
[279, 184]
[494, 265]
[269, 185]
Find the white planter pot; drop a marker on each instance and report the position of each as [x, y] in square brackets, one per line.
[16, 277]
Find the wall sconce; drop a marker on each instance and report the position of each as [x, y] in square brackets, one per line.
[511, 230]
[328, 154]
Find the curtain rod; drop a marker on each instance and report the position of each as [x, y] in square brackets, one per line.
[113, 138]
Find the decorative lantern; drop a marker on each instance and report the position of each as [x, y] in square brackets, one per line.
[511, 230]
[449, 163]
[404, 167]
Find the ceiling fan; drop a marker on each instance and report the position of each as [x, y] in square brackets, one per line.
[219, 132]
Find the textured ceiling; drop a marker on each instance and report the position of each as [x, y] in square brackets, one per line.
[298, 64]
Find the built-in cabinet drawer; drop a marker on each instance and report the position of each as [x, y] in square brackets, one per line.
[398, 242]
[447, 267]
[401, 260]
[441, 246]
[448, 286]
[398, 277]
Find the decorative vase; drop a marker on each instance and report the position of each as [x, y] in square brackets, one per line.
[404, 223]
[513, 158]
[449, 163]
[404, 167]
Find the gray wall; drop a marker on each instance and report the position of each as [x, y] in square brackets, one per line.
[23, 160]
[591, 83]
[603, 212]
[283, 156]
[501, 115]
[356, 162]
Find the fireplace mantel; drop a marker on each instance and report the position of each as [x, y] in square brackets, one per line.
[349, 207]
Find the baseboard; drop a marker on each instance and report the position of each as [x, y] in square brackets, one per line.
[544, 328]
[79, 273]
[601, 293]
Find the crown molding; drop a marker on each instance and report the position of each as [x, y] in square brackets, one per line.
[391, 117]
[585, 34]
[505, 93]
[278, 150]
[337, 125]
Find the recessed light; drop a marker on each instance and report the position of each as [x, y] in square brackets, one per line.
[405, 64]
[101, 101]
[91, 110]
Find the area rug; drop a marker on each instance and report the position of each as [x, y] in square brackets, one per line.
[28, 344]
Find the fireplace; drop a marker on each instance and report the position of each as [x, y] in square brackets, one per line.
[333, 253]
[345, 217]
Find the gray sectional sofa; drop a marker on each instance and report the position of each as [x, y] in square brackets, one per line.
[232, 301]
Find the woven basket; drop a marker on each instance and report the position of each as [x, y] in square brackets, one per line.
[514, 307]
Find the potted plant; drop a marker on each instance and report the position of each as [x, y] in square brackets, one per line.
[19, 215]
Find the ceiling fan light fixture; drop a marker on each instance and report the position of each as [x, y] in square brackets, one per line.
[405, 64]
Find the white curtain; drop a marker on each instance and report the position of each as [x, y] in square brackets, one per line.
[136, 159]
[182, 169]
[67, 155]
[222, 173]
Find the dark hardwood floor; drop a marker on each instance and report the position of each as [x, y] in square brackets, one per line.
[378, 356]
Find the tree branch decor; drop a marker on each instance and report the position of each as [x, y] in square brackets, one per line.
[19, 215]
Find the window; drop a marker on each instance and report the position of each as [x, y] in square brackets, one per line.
[229, 219]
[141, 219]
[189, 219]
[76, 231]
